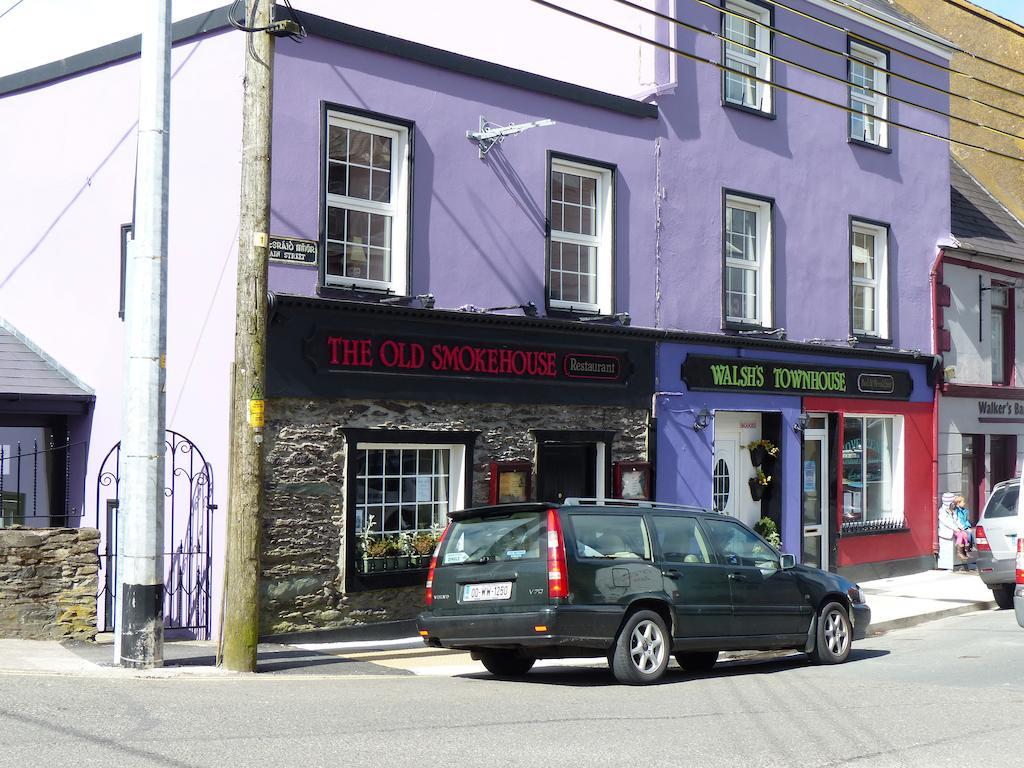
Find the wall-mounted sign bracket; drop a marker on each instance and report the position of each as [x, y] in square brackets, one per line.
[490, 134]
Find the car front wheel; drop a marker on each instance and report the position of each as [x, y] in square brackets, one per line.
[1003, 594]
[834, 635]
[641, 649]
[506, 663]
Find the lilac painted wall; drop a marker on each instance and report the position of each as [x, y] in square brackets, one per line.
[478, 225]
[67, 151]
[818, 180]
[478, 228]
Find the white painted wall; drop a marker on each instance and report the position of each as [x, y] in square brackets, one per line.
[971, 355]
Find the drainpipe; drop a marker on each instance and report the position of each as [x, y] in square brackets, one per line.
[936, 338]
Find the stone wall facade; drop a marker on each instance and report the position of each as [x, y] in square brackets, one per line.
[48, 581]
[304, 548]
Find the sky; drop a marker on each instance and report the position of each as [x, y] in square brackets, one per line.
[84, 24]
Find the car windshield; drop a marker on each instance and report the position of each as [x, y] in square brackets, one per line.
[515, 536]
[1003, 502]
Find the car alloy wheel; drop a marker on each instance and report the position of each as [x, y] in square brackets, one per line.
[647, 647]
[641, 651]
[834, 635]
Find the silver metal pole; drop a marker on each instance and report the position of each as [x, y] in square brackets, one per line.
[139, 627]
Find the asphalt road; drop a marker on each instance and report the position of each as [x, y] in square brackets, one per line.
[949, 693]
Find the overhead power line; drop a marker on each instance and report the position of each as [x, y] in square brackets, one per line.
[913, 56]
[783, 88]
[828, 76]
[846, 56]
[19, 2]
[895, 25]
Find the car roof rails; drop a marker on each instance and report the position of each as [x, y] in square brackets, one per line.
[643, 503]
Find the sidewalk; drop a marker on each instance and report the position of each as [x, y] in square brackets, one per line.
[895, 603]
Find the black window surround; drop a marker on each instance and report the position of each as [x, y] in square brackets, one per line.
[362, 293]
[732, 325]
[359, 582]
[862, 337]
[766, 114]
[564, 312]
[885, 148]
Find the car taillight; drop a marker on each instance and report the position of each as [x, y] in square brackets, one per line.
[433, 564]
[558, 577]
[1020, 560]
[981, 539]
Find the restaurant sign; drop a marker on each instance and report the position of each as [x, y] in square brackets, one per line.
[742, 375]
[337, 351]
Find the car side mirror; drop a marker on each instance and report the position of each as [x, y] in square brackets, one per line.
[787, 561]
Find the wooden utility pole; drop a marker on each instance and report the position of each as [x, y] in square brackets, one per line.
[245, 494]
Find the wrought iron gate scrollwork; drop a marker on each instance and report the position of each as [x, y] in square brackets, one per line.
[188, 537]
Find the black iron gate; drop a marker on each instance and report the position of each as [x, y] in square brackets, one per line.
[188, 521]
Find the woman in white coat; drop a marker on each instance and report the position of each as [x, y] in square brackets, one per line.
[947, 527]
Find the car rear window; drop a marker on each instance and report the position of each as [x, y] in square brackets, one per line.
[611, 536]
[515, 536]
[1003, 502]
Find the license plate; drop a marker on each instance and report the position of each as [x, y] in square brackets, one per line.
[497, 590]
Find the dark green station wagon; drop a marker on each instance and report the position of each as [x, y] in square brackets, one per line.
[636, 582]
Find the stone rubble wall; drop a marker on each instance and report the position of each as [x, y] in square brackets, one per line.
[48, 581]
[303, 550]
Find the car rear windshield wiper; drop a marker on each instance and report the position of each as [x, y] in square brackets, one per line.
[477, 560]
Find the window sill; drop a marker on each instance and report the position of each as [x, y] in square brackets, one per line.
[359, 293]
[868, 145]
[575, 313]
[733, 326]
[873, 528]
[876, 341]
[749, 110]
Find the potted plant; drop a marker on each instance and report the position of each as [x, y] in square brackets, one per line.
[422, 545]
[759, 485]
[761, 451]
[767, 530]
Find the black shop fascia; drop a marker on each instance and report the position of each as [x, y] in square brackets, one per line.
[329, 349]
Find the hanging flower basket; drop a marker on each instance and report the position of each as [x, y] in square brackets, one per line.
[757, 491]
[762, 452]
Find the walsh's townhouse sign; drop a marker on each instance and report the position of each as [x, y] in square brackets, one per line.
[741, 375]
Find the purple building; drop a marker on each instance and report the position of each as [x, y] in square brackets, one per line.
[457, 321]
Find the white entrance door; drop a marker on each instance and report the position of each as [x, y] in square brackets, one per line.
[814, 494]
[731, 467]
[725, 480]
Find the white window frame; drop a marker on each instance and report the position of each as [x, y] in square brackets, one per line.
[602, 241]
[880, 283]
[763, 265]
[879, 61]
[897, 515]
[397, 209]
[759, 60]
[456, 469]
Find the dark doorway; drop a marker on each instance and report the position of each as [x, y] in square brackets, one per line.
[566, 470]
[1003, 457]
[972, 480]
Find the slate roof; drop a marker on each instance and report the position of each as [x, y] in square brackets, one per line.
[978, 222]
[887, 8]
[27, 370]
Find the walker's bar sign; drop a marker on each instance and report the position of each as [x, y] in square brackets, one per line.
[739, 374]
[291, 250]
[352, 352]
